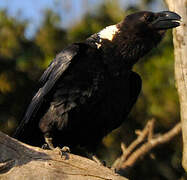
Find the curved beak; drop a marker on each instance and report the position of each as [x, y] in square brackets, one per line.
[166, 20]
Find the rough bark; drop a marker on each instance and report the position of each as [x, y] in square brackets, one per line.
[19, 161]
[180, 40]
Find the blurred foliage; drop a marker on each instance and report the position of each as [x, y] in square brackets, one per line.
[23, 60]
[50, 38]
[94, 22]
[12, 33]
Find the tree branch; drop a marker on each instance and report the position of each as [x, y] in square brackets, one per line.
[22, 161]
[19, 161]
[144, 143]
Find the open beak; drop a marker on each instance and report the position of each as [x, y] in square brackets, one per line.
[166, 20]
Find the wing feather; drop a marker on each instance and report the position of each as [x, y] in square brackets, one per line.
[47, 81]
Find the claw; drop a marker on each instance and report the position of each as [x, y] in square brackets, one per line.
[66, 149]
[99, 162]
[62, 152]
[45, 146]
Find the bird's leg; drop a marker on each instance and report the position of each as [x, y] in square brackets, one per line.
[84, 152]
[49, 140]
[62, 151]
[98, 161]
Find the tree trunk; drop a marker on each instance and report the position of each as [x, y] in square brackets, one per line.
[180, 40]
[19, 161]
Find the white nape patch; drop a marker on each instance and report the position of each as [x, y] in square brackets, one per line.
[108, 32]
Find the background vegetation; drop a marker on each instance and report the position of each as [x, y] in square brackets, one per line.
[23, 60]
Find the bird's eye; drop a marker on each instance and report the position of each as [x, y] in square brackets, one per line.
[149, 18]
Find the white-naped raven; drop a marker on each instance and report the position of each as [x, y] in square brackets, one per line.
[89, 88]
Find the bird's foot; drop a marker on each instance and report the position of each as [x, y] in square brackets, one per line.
[82, 151]
[98, 161]
[45, 146]
[63, 152]
[66, 149]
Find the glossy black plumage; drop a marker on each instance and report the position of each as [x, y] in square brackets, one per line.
[89, 88]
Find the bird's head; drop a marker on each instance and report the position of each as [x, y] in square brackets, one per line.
[146, 21]
[137, 34]
[141, 25]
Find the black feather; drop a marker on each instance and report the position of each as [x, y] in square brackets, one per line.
[89, 88]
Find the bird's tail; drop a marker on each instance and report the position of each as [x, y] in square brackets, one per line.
[28, 130]
[29, 134]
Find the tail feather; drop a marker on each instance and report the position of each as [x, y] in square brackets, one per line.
[28, 130]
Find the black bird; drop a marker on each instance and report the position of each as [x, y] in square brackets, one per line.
[89, 88]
